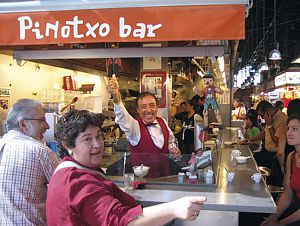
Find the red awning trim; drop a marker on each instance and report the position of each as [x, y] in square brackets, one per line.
[151, 24]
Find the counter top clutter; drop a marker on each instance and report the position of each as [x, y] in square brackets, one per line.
[243, 191]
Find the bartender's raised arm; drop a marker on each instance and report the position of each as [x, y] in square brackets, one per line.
[126, 122]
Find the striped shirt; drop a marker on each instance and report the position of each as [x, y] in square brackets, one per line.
[26, 166]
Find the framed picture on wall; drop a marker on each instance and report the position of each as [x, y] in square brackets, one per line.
[4, 98]
[155, 82]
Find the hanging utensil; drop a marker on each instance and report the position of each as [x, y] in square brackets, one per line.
[75, 99]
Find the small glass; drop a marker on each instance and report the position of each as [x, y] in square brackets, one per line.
[128, 180]
[172, 156]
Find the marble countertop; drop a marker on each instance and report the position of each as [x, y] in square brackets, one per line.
[241, 195]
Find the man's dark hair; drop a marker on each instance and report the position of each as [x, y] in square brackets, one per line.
[278, 105]
[145, 94]
[182, 103]
[264, 106]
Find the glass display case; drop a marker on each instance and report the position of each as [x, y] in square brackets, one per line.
[186, 169]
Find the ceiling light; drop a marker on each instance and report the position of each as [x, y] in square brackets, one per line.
[263, 66]
[275, 55]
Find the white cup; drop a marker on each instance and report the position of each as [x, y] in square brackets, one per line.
[256, 177]
[235, 153]
[230, 176]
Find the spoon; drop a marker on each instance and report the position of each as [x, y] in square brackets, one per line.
[142, 166]
[247, 157]
[75, 99]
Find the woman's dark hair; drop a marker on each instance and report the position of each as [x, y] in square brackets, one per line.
[71, 124]
[253, 119]
[145, 94]
[293, 107]
[293, 116]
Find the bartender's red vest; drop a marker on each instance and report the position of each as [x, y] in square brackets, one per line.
[145, 152]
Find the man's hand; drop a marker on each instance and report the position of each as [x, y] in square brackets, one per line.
[113, 89]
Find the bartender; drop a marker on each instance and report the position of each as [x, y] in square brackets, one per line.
[149, 136]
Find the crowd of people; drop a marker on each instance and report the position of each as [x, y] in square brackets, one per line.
[37, 189]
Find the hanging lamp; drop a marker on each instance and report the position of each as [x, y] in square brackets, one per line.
[264, 66]
[275, 54]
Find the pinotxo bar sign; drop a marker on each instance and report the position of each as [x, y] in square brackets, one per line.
[147, 24]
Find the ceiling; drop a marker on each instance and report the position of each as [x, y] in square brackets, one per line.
[260, 33]
[130, 66]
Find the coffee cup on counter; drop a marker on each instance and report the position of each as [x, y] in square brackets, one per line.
[235, 153]
[256, 177]
[230, 176]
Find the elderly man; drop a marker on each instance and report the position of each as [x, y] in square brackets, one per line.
[26, 165]
[149, 136]
[275, 139]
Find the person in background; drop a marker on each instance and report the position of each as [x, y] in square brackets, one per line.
[279, 105]
[293, 108]
[79, 193]
[274, 134]
[288, 205]
[239, 112]
[26, 165]
[251, 130]
[183, 107]
[187, 133]
[198, 103]
[149, 136]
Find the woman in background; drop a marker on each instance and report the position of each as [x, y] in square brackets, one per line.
[288, 205]
[251, 130]
[239, 112]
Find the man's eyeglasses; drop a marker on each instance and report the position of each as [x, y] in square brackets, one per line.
[36, 119]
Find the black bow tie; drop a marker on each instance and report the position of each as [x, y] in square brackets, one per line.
[151, 124]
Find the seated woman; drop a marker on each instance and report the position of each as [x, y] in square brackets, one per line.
[288, 205]
[251, 130]
[79, 193]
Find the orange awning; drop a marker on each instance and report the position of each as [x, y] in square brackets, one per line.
[148, 24]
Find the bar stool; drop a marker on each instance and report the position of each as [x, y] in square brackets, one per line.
[265, 172]
[273, 189]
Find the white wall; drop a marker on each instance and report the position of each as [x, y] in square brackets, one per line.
[26, 80]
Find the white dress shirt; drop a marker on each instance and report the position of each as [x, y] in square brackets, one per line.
[131, 128]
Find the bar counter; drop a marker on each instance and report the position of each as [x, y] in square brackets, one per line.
[224, 200]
